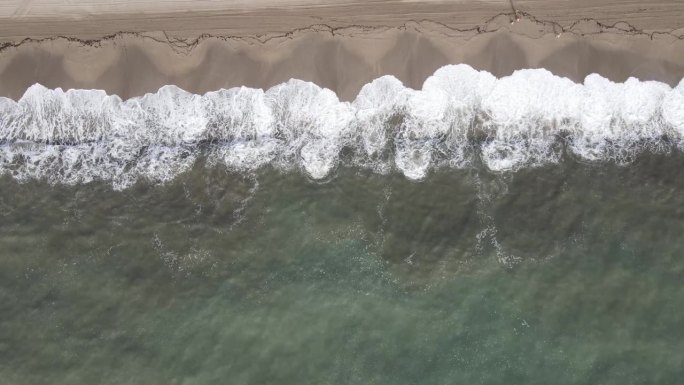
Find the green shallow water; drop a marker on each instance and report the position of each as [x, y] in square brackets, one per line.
[566, 274]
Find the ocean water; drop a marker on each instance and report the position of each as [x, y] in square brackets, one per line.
[523, 230]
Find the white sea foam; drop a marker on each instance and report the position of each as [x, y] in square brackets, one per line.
[673, 113]
[460, 117]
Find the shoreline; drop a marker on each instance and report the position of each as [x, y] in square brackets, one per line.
[342, 56]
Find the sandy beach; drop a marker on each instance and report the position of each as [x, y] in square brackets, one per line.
[132, 47]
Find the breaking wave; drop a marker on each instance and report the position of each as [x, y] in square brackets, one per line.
[461, 117]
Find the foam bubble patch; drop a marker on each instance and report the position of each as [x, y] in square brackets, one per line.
[459, 118]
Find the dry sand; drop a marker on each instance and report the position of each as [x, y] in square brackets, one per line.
[205, 45]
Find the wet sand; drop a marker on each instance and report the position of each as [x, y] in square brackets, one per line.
[338, 45]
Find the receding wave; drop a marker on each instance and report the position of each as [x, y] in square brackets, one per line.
[460, 118]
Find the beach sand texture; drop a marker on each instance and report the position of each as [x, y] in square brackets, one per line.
[129, 48]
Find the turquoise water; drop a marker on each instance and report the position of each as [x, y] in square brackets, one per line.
[564, 274]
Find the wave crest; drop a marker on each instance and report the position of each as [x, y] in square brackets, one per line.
[460, 116]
